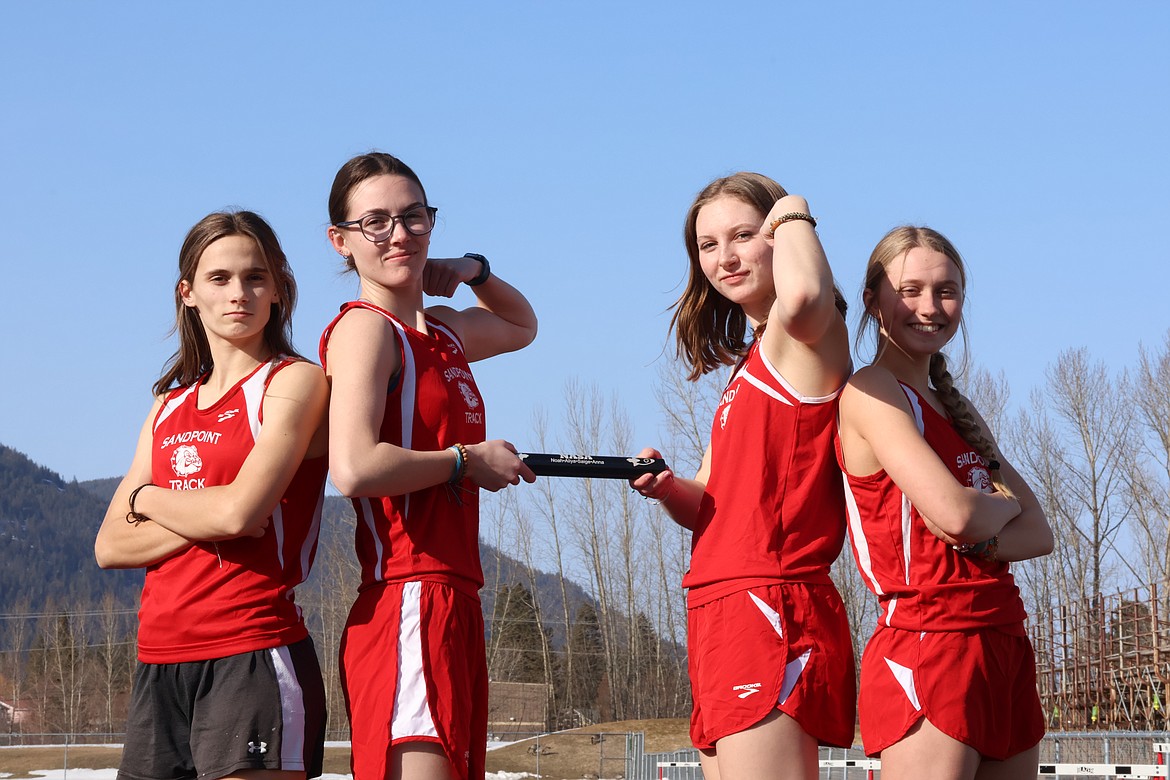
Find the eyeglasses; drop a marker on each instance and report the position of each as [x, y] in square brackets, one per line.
[379, 227]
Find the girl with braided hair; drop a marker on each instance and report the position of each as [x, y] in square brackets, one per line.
[936, 513]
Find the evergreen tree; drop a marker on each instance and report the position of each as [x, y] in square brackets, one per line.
[514, 649]
[588, 661]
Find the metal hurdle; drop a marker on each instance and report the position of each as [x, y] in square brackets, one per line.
[1142, 771]
[662, 765]
[1123, 771]
[868, 764]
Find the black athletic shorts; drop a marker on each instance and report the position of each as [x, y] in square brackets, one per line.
[207, 719]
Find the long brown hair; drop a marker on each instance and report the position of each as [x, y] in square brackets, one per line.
[710, 330]
[893, 245]
[193, 357]
[354, 172]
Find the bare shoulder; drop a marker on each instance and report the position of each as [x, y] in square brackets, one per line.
[871, 381]
[298, 378]
[872, 393]
[359, 320]
[361, 333]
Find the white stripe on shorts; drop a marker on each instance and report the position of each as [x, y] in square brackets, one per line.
[412, 712]
[292, 711]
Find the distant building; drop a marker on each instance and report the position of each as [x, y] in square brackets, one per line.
[13, 716]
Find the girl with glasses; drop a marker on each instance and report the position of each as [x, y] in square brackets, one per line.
[407, 445]
[948, 679]
[766, 507]
[221, 507]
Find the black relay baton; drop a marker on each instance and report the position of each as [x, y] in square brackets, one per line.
[545, 464]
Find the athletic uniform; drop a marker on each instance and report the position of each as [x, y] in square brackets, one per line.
[950, 643]
[412, 657]
[228, 679]
[770, 524]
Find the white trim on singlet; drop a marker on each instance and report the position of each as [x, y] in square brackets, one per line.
[408, 382]
[857, 536]
[788, 388]
[171, 405]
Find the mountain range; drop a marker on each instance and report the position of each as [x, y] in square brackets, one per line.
[47, 528]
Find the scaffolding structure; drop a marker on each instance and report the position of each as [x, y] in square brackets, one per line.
[1104, 662]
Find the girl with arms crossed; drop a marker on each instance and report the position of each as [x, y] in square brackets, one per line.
[766, 507]
[407, 445]
[221, 505]
[948, 680]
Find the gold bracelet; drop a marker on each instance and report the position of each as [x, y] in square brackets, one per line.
[791, 216]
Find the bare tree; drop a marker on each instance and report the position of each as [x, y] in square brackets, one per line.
[1074, 444]
[114, 642]
[989, 394]
[687, 409]
[547, 501]
[63, 679]
[17, 634]
[1149, 479]
[591, 519]
[525, 538]
[1097, 430]
[326, 598]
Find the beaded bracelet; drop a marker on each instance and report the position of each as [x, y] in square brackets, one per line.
[791, 216]
[460, 469]
[987, 550]
[135, 517]
[991, 551]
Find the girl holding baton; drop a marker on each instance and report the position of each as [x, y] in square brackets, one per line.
[407, 445]
[766, 507]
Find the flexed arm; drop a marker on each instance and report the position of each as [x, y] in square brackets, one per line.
[502, 319]
[806, 337]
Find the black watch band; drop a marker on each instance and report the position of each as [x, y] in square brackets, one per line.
[484, 272]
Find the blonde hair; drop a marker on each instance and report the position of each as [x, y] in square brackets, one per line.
[893, 245]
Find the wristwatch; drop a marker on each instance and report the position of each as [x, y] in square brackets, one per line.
[484, 272]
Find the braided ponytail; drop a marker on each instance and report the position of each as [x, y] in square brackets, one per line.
[963, 420]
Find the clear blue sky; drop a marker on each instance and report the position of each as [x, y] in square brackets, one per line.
[565, 141]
